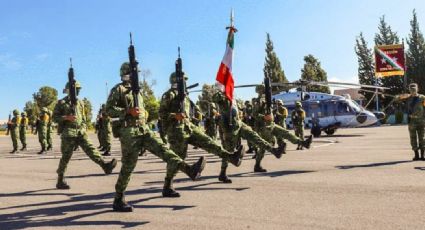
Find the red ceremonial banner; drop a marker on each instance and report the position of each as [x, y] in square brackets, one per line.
[389, 60]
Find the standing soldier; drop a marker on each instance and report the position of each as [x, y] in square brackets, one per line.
[134, 134]
[98, 129]
[71, 119]
[281, 113]
[298, 116]
[248, 119]
[234, 129]
[41, 129]
[415, 111]
[195, 116]
[268, 130]
[106, 132]
[181, 132]
[49, 137]
[210, 120]
[23, 126]
[13, 129]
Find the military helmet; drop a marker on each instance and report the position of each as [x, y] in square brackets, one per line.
[23, 114]
[413, 85]
[125, 69]
[173, 77]
[298, 104]
[15, 112]
[279, 102]
[259, 89]
[45, 110]
[77, 85]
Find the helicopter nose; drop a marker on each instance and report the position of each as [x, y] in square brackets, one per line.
[366, 118]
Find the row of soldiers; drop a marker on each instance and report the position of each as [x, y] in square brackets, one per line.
[19, 125]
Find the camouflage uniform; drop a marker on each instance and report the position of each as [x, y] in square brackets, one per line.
[41, 125]
[183, 132]
[297, 117]
[23, 126]
[248, 119]
[49, 138]
[415, 108]
[135, 135]
[74, 133]
[210, 120]
[106, 132]
[234, 129]
[99, 130]
[161, 131]
[14, 130]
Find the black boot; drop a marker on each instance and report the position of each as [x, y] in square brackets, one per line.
[120, 205]
[223, 177]
[61, 184]
[49, 148]
[307, 142]
[108, 167]
[422, 155]
[258, 168]
[277, 152]
[42, 151]
[416, 157]
[236, 157]
[24, 147]
[106, 153]
[250, 149]
[15, 150]
[102, 149]
[193, 171]
[168, 190]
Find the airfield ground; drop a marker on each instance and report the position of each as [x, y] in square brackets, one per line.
[357, 179]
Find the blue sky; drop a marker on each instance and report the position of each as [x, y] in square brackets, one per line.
[38, 37]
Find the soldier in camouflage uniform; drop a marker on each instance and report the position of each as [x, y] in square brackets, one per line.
[195, 116]
[248, 119]
[106, 132]
[234, 130]
[181, 132]
[268, 130]
[23, 126]
[49, 137]
[280, 113]
[297, 117]
[72, 128]
[415, 109]
[41, 129]
[13, 126]
[210, 120]
[129, 125]
[99, 130]
[161, 131]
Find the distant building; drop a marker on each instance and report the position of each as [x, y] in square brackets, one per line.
[353, 93]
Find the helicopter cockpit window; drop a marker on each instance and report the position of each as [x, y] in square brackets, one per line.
[306, 96]
[354, 106]
[343, 108]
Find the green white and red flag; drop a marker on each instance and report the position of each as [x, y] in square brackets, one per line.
[224, 77]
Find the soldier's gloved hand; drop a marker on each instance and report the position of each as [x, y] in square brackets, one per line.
[179, 116]
[134, 112]
[268, 117]
[70, 118]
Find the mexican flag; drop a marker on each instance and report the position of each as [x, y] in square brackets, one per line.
[224, 75]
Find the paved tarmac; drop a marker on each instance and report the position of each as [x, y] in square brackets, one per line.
[357, 179]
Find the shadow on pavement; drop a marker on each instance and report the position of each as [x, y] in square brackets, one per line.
[372, 165]
[420, 168]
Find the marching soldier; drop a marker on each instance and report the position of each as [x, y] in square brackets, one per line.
[71, 122]
[298, 116]
[181, 132]
[13, 126]
[23, 126]
[415, 110]
[249, 120]
[234, 129]
[41, 129]
[106, 132]
[134, 134]
[49, 137]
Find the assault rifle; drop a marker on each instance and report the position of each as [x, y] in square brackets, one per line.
[181, 83]
[9, 126]
[72, 86]
[134, 73]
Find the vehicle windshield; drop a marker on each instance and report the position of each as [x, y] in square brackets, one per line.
[356, 107]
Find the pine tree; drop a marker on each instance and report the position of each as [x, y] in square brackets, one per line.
[415, 56]
[366, 67]
[273, 68]
[386, 36]
[312, 71]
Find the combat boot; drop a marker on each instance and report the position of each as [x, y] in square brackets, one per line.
[120, 205]
[49, 148]
[258, 168]
[168, 190]
[307, 142]
[416, 157]
[24, 147]
[236, 157]
[61, 184]
[250, 149]
[102, 149]
[422, 155]
[193, 171]
[223, 177]
[281, 149]
[15, 150]
[106, 153]
[42, 151]
[108, 167]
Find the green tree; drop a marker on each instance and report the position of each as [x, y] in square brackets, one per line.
[88, 112]
[32, 111]
[312, 71]
[415, 56]
[386, 36]
[46, 97]
[205, 99]
[366, 69]
[273, 68]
